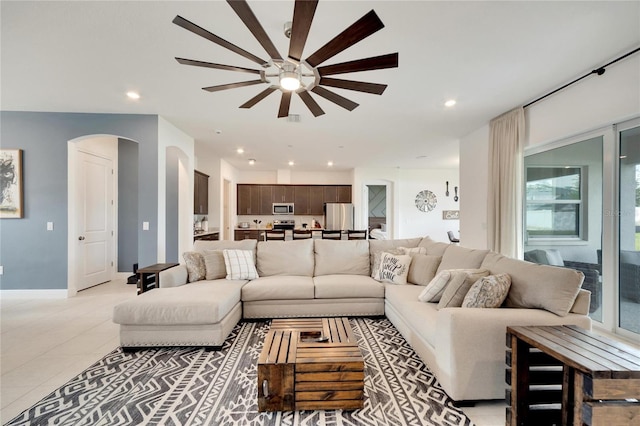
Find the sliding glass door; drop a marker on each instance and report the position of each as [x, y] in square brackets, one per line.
[629, 230]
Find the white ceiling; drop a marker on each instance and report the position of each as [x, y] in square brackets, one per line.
[82, 56]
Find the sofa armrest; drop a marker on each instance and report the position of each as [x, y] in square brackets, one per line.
[174, 277]
[471, 343]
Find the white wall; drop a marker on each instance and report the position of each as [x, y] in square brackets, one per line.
[169, 135]
[594, 102]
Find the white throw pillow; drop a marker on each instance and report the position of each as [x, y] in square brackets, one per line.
[459, 285]
[393, 268]
[433, 291]
[488, 292]
[239, 264]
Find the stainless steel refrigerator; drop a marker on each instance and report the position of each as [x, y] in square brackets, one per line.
[338, 216]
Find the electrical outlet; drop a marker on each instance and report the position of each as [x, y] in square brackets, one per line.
[145, 226]
[49, 226]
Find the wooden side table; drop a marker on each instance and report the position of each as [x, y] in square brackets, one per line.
[150, 276]
[567, 375]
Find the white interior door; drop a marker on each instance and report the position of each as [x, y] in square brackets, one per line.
[95, 219]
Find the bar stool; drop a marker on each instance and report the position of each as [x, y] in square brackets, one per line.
[331, 235]
[301, 234]
[274, 235]
[356, 234]
[452, 238]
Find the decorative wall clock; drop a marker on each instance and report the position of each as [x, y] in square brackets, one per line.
[426, 201]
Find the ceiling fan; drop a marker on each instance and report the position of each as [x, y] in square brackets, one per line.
[292, 70]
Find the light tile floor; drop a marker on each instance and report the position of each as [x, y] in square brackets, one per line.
[46, 342]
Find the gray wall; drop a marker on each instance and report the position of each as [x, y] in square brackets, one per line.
[127, 205]
[34, 258]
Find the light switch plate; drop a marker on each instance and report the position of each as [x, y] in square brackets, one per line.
[49, 226]
[145, 226]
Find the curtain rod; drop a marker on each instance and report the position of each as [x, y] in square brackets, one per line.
[598, 71]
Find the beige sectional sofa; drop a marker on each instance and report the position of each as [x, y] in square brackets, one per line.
[464, 347]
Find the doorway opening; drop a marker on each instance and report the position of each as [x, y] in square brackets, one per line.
[378, 210]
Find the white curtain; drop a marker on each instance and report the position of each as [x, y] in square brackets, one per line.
[504, 216]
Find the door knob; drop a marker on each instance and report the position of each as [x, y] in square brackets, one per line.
[80, 238]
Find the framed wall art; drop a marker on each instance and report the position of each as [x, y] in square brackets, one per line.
[11, 191]
[451, 215]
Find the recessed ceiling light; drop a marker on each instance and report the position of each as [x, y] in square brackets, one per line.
[450, 103]
[133, 95]
[330, 164]
[252, 161]
[240, 151]
[291, 163]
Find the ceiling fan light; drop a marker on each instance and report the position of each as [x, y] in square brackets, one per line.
[289, 77]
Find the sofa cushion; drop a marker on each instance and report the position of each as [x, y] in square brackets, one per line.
[239, 264]
[423, 268]
[435, 248]
[341, 257]
[433, 291]
[457, 257]
[488, 292]
[195, 265]
[347, 286]
[285, 258]
[202, 302]
[421, 317]
[390, 246]
[375, 267]
[278, 287]
[537, 286]
[393, 268]
[203, 245]
[214, 264]
[458, 286]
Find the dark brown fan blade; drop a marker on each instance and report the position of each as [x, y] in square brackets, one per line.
[190, 26]
[245, 13]
[358, 86]
[302, 17]
[216, 66]
[257, 98]
[310, 103]
[231, 85]
[335, 98]
[367, 64]
[359, 30]
[285, 102]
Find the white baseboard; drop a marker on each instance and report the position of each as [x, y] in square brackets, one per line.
[33, 294]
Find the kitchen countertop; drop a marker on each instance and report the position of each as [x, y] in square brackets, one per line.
[197, 234]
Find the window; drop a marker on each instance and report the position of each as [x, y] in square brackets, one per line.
[554, 202]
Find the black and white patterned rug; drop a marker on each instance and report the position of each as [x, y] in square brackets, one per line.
[191, 386]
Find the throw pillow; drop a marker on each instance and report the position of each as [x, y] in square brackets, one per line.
[433, 291]
[195, 265]
[376, 259]
[393, 268]
[214, 264]
[423, 268]
[488, 292]
[459, 285]
[412, 250]
[239, 264]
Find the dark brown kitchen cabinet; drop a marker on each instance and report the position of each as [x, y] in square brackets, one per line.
[316, 200]
[266, 197]
[301, 199]
[283, 194]
[249, 199]
[344, 193]
[249, 234]
[200, 193]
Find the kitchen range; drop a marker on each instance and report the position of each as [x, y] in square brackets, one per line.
[284, 224]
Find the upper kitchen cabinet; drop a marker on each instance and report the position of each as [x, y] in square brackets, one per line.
[249, 201]
[283, 193]
[337, 194]
[316, 200]
[200, 193]
[266, 200]
[301, 199]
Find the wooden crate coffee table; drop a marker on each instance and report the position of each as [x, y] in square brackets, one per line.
[310, 364]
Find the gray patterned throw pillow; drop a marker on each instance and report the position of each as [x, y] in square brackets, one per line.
[488, 292]
[195, 265]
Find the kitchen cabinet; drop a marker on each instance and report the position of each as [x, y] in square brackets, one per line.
[308, 199]
[249, 234]
[200, 193]
[283, 194]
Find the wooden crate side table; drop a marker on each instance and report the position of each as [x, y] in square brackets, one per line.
[298, 372]
[570, 376]
[150, 276]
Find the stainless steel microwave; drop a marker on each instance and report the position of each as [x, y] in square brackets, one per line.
[282, 208]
